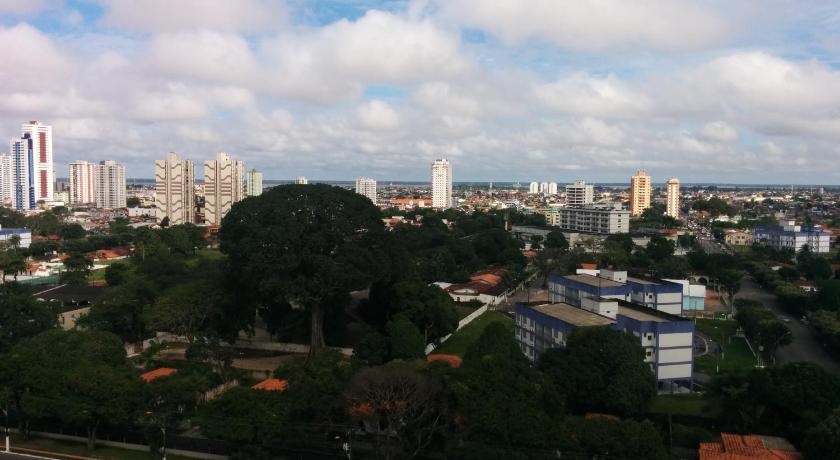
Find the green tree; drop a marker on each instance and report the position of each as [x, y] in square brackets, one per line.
[132, 202]
[316, 384]
[81, 377]
[116, 274]
[601, 370]
[730, 282]
[660, 248]
[166, 402]
[77, 269]
[185, 310]
[556, 240]
[71, 232]
[602, 437]
[244, 416]
[373, 349]
[21, 315]
[406, 342]
[302, 244]
[430, 308]
[164, 222]
[823, 441]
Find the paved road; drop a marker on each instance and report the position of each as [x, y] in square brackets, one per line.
[5, 456]
[804, 346]
[711, 246]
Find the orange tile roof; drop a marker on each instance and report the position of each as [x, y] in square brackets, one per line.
[272, 385]
[453, 360]
[488, 278]
[589, 266]
[740, 447]
[157, 373]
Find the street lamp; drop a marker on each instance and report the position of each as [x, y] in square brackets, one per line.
[6, 425]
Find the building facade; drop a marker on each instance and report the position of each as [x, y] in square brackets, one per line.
[301, 180]
[23, 185]
[603, 221]
[790, 236]
[534, 188]
[82, 176]
[24, 236]
[367, 187]
[580, 194]
[223, 186]
[738, 238]
[672, 198]
[640, 191]
[254, 185]
[442, 184]
[175, 189]
[41, 158]
[7, 180]
[661, 295]
[110, 185]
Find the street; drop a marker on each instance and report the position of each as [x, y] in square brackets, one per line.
[804, 346]
[5, 456]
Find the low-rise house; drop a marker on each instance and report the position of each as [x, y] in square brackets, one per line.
[738, 238]
[748, 447]
[790, 236]
[660, 295]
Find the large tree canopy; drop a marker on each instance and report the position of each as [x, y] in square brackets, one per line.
[302, 244]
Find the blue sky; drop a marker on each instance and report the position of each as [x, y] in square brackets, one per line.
[509, 90]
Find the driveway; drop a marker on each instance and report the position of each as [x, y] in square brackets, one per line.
[805, 346]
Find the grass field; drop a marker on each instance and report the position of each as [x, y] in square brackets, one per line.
[736, 356]
[461, 340]
[80, 450]
[684, 404]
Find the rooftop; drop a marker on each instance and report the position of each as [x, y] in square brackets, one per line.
[640, 280]
[572, 315]
[593, 280]
[735, 446]
[641, 315]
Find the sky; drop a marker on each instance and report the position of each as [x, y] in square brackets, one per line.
[730, 91]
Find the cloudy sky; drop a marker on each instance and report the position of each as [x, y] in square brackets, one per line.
[725, 91]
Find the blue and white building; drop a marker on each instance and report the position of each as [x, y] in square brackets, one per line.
[666, 339]
[24, 235]
[23, 175]
[790, 236]
[665, 296]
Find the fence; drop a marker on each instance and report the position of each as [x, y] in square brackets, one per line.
[464, 321]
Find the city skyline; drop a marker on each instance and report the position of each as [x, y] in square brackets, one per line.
[707, 93]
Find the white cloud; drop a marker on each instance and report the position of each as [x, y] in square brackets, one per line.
[177, 15]
[719, 131]
[26, 7]
[585, 95]
[378, 116]
[31, 60]
[594, 24]
[204, 55]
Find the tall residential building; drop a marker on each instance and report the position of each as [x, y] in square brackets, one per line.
[640, 191]
[579, 194]
[23, 186]
[534, 188]
[82, 183]
[301, 180]
[6, 179]
[41, 171]
[672, 200]
[367, 187]
[110, 185]
[441, 184]
[254, 186]
[175, 189]
[223, 186]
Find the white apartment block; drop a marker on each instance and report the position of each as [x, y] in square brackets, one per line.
[790, 236]
[442, 184]
[175, 189]
[110, 185]
[223, 186]
[534, 188]
[6, 180]
[640, 191]
[579, 194]
[367, 187]
[604, 221]
[254, 186]
[82, 177]
[41, 158]
[672, 198]
[301, 180]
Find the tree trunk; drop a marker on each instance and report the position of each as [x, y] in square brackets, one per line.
[316, 336]
[91, 436]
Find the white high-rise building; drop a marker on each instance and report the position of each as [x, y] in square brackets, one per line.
[42, 174]
[224, 185]
[534, 188]
[110, 185]
[552, 188]
[301, 180]
[6, 179]
[82, 177]
[441, 184]
[175, 189]
[672, 199]
[579, 194]
[23, 187]
[367, 187]
[254, 186]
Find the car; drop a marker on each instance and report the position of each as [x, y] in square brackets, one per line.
[785, 319]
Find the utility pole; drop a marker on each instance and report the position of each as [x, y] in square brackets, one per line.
[6, 425]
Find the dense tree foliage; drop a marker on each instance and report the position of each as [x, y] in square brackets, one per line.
[21, 316]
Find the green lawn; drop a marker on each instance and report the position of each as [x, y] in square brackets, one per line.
[461, 340]
[736, 356]
[80, 450]
[683, 404]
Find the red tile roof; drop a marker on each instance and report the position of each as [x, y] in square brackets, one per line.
[453, 360]
[157, 373]
[738, 447]
[272, 385]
